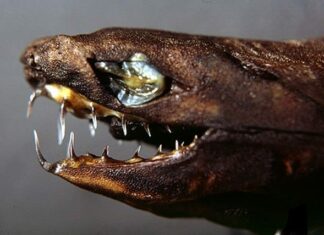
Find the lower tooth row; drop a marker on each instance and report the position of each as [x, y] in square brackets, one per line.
[105, 155]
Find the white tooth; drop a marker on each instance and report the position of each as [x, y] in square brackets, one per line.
[93, 121]
[176, 145]
[168, 129]
[61, 124]
[70, 149]
[147, 129]
[105, 152]
[159, 149]
[31, 101]
[45, 164]
[92, 128]
[136, 154]
[124, 125]
[182, 144]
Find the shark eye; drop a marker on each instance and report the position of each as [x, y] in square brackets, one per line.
[134, 82]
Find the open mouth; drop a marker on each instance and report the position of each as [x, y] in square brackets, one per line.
[170, 141]
[121, 94]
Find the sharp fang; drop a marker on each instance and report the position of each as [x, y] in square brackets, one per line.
[182, 144]
[136, 158]
[168, 129]
[70, 149]
[92, 128]
[176, 145]
[61, 124]
[124, 125]
[136, 154]
[159, 149]
[42, 161]
[147, 129]
[93, 121]
[105, 152]
[31, 101]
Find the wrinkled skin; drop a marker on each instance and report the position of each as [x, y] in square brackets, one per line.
[258, 106]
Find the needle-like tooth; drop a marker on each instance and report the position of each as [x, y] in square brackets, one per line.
[136, 154]
[92, 129]
[124, 125]
[182, 144]
[61, 124]
[159, 149]
[70, 149]
[93, 121]
[93, 115]
[196, 137]
[147, 129]
[105, 152]
[31, 101]
[42, 161]
[136, 158]
[176, 145]
[168, 129]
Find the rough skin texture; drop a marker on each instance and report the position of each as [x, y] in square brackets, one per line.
[261, 102]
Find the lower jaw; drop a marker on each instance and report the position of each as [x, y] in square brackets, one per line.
[123, 180]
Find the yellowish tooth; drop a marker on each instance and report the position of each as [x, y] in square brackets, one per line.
[78, 104]
[135, 160]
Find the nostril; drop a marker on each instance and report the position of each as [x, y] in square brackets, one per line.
[32, 61]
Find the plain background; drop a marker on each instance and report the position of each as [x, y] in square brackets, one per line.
[35, 202]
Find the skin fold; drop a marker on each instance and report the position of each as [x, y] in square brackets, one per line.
[258, 106]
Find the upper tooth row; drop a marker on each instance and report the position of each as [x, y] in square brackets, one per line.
[92, 121]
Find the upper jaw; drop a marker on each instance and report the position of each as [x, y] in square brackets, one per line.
[125, 126]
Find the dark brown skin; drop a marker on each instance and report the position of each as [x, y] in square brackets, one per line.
[262, 103]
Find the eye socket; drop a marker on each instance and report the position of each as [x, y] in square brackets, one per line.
[135, 82]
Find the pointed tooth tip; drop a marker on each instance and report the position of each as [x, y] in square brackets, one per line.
[31, 101]
[93, 116]
[176, 145]
[105, 152]
[147, 129]
[70, 150]
[159, 150]
[136, 154]
[138, 149]
[42, 161]
[61, 124]
[92, 129]
[124, 125]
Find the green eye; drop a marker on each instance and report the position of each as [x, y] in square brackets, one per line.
[136, 81]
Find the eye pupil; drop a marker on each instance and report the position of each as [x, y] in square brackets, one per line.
[137, 81]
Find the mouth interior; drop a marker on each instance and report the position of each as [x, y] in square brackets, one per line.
[122, 126]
